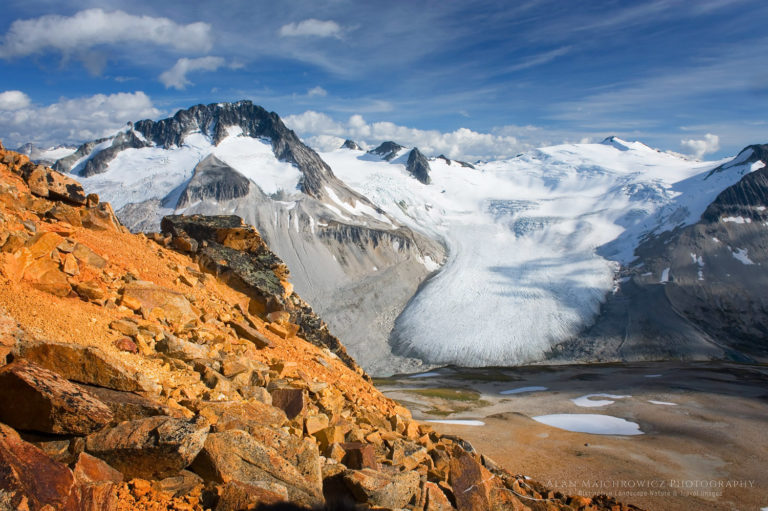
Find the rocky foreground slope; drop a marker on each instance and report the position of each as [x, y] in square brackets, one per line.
[180, 371]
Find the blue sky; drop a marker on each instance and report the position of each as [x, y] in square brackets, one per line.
[482, 79]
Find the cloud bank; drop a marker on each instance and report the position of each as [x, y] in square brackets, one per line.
[698, 148]
[69, 120]
[93, 27]
[176, 77]
[311, 27]
[324, 133]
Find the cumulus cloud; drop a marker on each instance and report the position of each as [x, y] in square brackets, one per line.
[92, 27]
[13, 100]
[176, 77]
[698, 148]
[74, 120]
[317, 91]
[463, 143]
[311, 27]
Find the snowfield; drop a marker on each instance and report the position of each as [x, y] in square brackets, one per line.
[590, 423]
[534, 242]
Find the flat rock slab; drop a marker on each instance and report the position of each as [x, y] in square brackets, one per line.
[27, 473]
[86, 364]
[152, 448]
[380, 489]
[174, 305]
[236, 456]
[34, 398]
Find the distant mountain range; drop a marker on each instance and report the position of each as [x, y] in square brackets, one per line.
[605, 251]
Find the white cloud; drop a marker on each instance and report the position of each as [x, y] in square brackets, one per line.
[317, 91]
[698, 148]
[176, 77]
[323, 131]
[93, 27]
[311, 27]
[75, 120]
[13, 100]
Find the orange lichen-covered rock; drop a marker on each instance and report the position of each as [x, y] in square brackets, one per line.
[30, 477]
[36, 399]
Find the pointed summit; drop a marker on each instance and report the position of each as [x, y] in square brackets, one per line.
[387, 150]
[418, 166]
[351, 144]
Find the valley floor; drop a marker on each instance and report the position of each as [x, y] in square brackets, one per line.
[699, 440]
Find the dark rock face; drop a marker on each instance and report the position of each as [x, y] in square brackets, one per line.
[68, 162]
[214, 120]
[387, 150]
[745, 198]
[351, 144]
[418, 166]
[236, 253]
[123, 140]
[713, 300]
[214, 180]
[34, 398]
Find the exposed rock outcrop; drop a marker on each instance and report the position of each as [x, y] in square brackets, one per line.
[387, 150]
[214, 180]
[418, 166]
[351, 144]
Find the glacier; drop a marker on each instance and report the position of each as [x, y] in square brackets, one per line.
[534, 242]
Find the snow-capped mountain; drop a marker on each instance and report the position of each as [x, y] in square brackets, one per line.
[569, 252]
[536, 243]
[45, 156]
[356, 264]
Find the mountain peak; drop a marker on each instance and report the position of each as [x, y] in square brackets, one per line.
[387, 150]
[351, 144]
[418, 166]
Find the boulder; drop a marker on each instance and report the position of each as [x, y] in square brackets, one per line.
[175, 306]
[236, 456]
[250, 495]
[44, 274]
[251, 334]
[435, 499]
[359, 455]
[152, 448]
[181, 484]
[127, 406]
[290, 400]
[470, 481]
[88, 256]
[34, 398]
[86, 364]
[27, 474]
[372, 487]
[176, 347]
[243, 415]
[90, 290]
[64, 213]
[91, 470]
[45, 182]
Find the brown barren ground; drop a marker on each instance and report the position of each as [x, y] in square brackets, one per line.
[708, 451]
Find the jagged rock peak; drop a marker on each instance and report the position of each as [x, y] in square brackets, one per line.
[387, 150]
[351, 144]
[215, 180]
[217, 121]
[418, 166]
[750, 154]
[749, 197]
